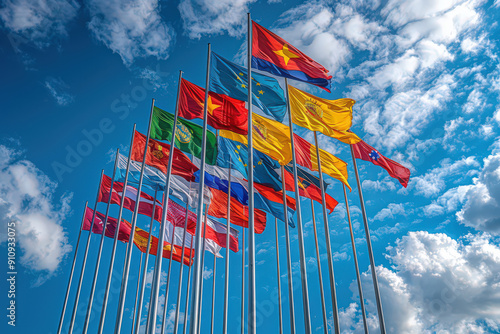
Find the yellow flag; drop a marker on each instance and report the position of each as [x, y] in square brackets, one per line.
[318, 114]
[269, 137]
[347, 137]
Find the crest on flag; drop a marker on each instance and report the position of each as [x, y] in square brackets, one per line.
[260, 129]
[374, 155]
[314, 109]
[182, 133]
[158, 153]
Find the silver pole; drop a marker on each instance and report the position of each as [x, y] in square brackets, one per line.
[370, 250]
[115, 241]
[333, 288]
[59, 329]
[302, 258]
[243, 281]
[213, 295]
[78, 290]
[198, 269]
[103, 236]
[161, 237]
[358, 278]
[184, 329]
[165, 304]
[137, 294]
[288, 256]
[152, 292]
[181, 269]
[144, 272]
[320, 275]
[203, 266]
[228, 240]
[279, 275]
[252, 303]
[123, 290]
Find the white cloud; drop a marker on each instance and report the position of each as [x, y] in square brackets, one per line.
[131, 29]
[26, 197]
[207, 273]
[59, 91]
[389, 212]
[447, 202]
[212, 17]
[380, 185]
[38, 21]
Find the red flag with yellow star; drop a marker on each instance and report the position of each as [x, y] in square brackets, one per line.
[224, 112]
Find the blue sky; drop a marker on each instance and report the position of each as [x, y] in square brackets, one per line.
[426, 78]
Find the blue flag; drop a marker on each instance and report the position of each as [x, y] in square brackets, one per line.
[230, 79]
[233, 154]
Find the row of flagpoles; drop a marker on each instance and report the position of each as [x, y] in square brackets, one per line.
[147, 165]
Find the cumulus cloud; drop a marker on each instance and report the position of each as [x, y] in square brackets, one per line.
[39, 22]
[390, 211]
[59, 91]
[131, 29]
[26, 198]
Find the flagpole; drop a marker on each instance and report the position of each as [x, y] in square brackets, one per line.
[123, 290]
[144, 272]
[78, 290]
[203, 266]
[279, 276]
[59, 329]
[243, 281]
[198, 270]
[103, 236]
[252, 307]
[302, 258]
[161, 236]
[320, 275]
[333, 288]
[288, 256]
[228, 240]
[213, 294]
[115, 241]
[137, 293]
[358, 278]
[172, 250]
[179, 285]
[184, 329]
[369, 245]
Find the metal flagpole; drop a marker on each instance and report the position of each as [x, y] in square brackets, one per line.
[198, 269]
[115, 241]
[165, 304]
[228, 240]
[137, 293]
[213, 295]
[252, 303]
[123, 290]
[75, 306]
[370, 250]
[203, 266]
[161, 236]
[358, 278]
[103, 236]
[184, 329]
[243, 281]
[144, 272]
[302, 258]
[181, 269]
[333, 289]
[288, 256]
[59, 329]
[320, 275]
[279, 276]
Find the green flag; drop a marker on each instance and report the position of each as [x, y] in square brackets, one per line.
[188, 135]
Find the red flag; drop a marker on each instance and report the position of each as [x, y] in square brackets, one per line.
[123, 235]
[217, 232]
[274, 196]
[224, 112]
[157, 156]
[141, 241]
[239, 212]
[365, 152]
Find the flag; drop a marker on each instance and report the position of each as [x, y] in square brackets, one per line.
[188, 136]
[232, 80]
[306, 156]
[157, 156]
[273, 54]
[316, 114]
[347, 137]
[269, 137]
[223, 112]
[125, 227]
[239, 212]
[233, 154]
[365, 152]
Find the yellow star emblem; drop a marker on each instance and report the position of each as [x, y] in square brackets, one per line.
[240, 73]
[286, 54]
[211, 106]
[243, 86]
[261, 92]
[258, 83]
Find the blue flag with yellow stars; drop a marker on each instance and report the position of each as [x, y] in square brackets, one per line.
[233, 154]
[230, 79]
